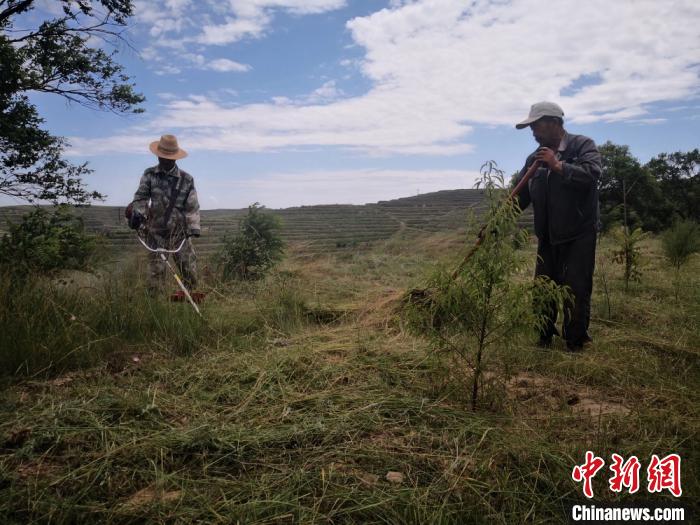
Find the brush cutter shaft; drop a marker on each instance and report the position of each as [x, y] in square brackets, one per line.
[180, 283]
[164, 256]
[528, 175]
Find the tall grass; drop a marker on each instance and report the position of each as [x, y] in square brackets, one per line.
[50, 325]
[47, 327]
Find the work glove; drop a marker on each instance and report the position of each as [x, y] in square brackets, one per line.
[134, 218]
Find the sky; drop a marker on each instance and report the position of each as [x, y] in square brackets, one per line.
[302, 102]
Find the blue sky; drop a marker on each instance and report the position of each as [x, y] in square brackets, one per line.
[293, 102]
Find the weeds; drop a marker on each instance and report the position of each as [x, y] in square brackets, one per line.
[47, 327]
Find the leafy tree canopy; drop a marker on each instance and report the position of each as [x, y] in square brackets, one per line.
[56, 57]
[679, 178]
[629, 193]
[651, 196]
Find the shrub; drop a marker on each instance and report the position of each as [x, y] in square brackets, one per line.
[44, 242]
[256, 247]
[680, 242]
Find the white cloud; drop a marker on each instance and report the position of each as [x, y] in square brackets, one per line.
[221, 65]
[281, 101]
[328, 91]
[154, 11]
[167, 96]
[649, 121]
[233, 21]
[224, 65]
[233, 30]
[382, 127]
[440, 67]
[492, 60]
[167, 69]
[175, 25]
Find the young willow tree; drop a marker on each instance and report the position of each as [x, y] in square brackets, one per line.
[628, 253]
[55, 57]
[487, 302]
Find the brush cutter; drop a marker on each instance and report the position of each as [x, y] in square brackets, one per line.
[421, 295]
[163, 253]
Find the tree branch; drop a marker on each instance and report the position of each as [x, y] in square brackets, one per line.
[15, 9]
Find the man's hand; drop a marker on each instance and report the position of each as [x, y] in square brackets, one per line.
[547, 157]
[136, 221]
[134, 218]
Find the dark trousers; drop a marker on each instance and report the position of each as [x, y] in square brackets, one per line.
[569, 264]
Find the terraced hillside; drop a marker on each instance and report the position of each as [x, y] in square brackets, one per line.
[314, 228]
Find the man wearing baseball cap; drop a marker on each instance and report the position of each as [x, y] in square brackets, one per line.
[564, 196]
[166, 202]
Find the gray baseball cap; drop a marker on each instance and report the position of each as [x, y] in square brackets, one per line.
[539, 110]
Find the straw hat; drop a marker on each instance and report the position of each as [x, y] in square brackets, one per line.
[167, 148]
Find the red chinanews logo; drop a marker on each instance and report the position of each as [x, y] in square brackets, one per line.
[662, 474]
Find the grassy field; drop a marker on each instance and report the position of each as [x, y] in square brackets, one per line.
[302, 399]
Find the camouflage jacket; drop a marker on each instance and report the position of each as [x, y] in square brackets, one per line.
[152, 199]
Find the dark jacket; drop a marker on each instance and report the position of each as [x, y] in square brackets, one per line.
[565, 206]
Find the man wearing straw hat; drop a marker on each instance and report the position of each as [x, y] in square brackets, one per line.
[166, 201]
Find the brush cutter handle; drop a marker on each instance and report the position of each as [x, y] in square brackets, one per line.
[161, 250]
[163, 255]
[528, 175]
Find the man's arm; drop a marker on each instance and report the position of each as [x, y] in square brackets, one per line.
[192, 212]
[143, 194]
[581, 171]
[585, 169]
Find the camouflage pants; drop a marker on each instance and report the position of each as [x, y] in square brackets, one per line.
[185, 262]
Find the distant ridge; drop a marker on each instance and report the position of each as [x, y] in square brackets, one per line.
[317, 227]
